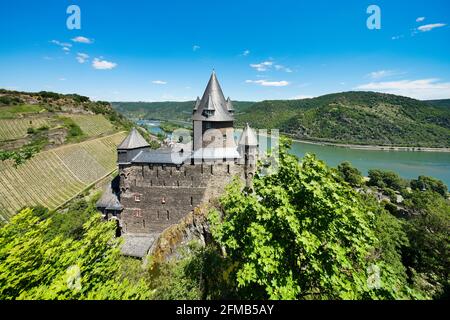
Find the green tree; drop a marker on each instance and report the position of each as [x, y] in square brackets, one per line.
[301, 234]
[429, 183]
[34, 266]
[350, 174]
[428, 232]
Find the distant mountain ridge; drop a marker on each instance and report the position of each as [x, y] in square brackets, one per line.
[354, 117]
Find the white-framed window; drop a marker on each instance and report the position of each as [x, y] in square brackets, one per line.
[137, 197]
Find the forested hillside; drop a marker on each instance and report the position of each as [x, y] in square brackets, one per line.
[366, 118]
[181, 111]
[356, 118]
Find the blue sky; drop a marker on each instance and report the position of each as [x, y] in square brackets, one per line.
[165, 50]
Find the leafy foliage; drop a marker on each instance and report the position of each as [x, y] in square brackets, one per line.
[37, 265]
[302, 234]
[350, 174]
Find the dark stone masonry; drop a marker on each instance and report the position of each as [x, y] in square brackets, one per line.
[157, 188]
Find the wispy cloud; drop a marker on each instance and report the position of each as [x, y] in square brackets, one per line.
[382, 74]
[266, 83]
[263, 66]
[64, 45]
[423, 89]
[62, 79]
[103, 64]
[82, 57]
[61, 44]
[81, 39]
[245, 53]
[283, 68]
[159, 82]
[300, 97]
[420, 19]
[397, 37]
[195, 47]
[429, 27]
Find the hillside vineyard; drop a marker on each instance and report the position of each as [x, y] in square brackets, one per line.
[53, 177]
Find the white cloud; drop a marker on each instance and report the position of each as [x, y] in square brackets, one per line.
[62, 79]
[82, 40]
[283, 68]
[82, 57]
[429, 27]
[263, 66]
[397, 37]
[423, 89]
[266, 83]
[195, 48]
[103, 64]
[300, 97]
[245, 53]
[420, 19]
[61, 44]
[382, 74]
[159, 82]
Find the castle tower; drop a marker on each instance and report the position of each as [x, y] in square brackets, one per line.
[248, 149]
[213, 119]
[133, 144]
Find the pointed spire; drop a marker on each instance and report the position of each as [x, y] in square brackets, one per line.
[213, 99]
[248, 137]
[230, 106]
[197, 104]
[133, 141]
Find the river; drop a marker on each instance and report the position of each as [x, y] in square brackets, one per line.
[407, 164]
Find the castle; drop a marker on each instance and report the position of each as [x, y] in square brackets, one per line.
[159, 187]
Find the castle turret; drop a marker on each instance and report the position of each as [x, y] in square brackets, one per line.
[248, 149]
[133, 144]
[213, 118]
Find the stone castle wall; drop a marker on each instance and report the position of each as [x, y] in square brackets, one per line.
[155, 197]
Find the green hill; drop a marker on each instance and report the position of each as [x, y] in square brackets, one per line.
[356, 118]
[179, 111]
[53, 147]
[366, 118]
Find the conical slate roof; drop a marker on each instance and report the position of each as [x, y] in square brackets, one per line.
[212, 106]
[109, 200]
[248, 137]
[230, 105]
[133, 141]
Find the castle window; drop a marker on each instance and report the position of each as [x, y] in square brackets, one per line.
[168, 216]
[137, 197]
[192, 201]
[138, 213]
[228, 169]
[163, 200]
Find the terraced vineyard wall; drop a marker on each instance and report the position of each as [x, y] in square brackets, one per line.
[53, 177]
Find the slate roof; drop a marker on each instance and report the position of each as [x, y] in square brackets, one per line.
[109, 200]
[248, 137]
[133, 141]
[213, 106]
[162, 156]
[137, 245]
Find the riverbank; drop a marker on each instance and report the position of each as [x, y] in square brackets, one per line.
[370, 147]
